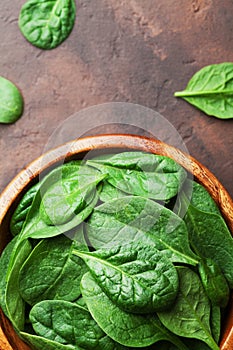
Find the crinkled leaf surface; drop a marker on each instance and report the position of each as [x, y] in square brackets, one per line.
[139, 219]
[47, 23]
[211, 238]
[136, 277]
[190, 315]
[69, 323]
[128, 329]
[211, 90]
[51, 272]
[142, 174]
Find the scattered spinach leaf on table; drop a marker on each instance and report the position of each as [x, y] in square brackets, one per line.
[11, 102]
[211, 90]
[47, 23]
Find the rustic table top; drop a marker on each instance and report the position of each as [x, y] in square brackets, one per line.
[137, 51]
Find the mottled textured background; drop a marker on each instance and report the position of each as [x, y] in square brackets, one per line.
[138, 51]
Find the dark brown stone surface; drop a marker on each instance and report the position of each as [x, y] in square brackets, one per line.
[138, 51]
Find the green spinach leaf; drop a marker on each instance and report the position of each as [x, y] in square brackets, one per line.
[142, 174]
[214, 282]
[11, 102]
[211, 90]
[201, 199]
[51, 272]
[42, 343]
[210, 238]
[190, 315]
[128, 329]
[215, 322]
[136, 277]
[78, 327]
[19, 216]
[47, 23]
[65, 199]
[109, 192]
[10, 299]
[134, 218]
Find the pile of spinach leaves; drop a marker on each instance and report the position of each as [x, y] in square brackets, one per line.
[120, 251]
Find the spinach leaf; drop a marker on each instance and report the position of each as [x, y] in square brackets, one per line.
[47, 23]
[201, 199]
[132, 218]
[11, 102]
[109, 192]
[19, 216]
[4, 262]
[210, 238]
[78, 327]
[190, 315]
[10, 299]
[51, 272]
[34, 226]
[42, 343]
[215, 322]
[64, 199]
[66, 177]
[136, 277]
[133, 330]
[142, 174]
[211, 90]
[214, 282]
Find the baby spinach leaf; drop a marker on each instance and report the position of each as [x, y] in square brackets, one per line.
[11, 102]
[190, 315]
[214, 282]
[136, 277]
[210, 238]
[78, 327]
[10, 299]
[36, 227]
[51, 272]
[142, 174]
[4, 262]
[47, 23]
[134, 218]
[215, 322]
[19, 216]
[42, 343]
[201, 199]
[109, 192]
[133, 330]
[211, 90]
[64, 199]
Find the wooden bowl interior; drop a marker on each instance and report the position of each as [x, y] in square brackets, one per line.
[78, 149]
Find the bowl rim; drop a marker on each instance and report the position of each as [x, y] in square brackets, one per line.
[132, 142]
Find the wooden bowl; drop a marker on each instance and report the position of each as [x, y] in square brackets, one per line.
[106, 143]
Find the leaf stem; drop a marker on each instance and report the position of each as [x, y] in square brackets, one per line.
[186, 93]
